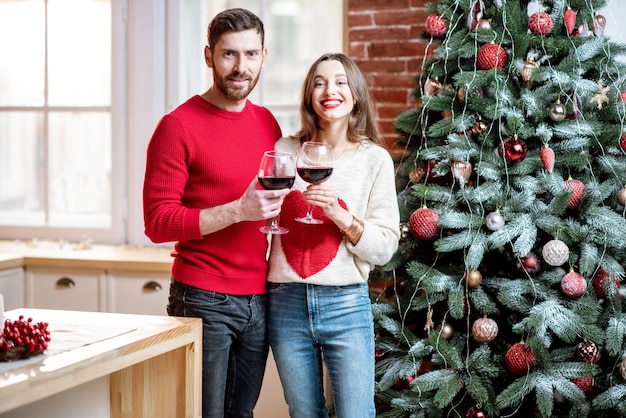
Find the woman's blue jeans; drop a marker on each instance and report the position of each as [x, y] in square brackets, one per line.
[308, 324]
[234, 347]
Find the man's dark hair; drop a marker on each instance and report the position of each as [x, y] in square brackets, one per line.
[233, 20]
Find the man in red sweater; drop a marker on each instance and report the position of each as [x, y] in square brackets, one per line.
[200, 191]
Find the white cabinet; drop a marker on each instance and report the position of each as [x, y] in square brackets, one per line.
[74, 289]
[136, 292]
[12, 288]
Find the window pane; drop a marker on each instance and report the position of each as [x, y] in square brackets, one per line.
[79, 52]
[21, 178]
[298, 32]
[80, 169]
[22, 26]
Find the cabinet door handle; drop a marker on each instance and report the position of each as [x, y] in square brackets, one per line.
[152, 286]
[65, 282]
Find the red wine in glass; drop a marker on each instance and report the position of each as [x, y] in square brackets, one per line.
[314, 165]
[277, 171]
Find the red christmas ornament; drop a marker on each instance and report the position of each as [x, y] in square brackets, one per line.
[476, 412]
[622, 143]
[540, 23]
[577, 187]
[423, 223]
[573, 284]
[484, 330]
[490, 56]
[436, 25]
[585, 383]
[587, 352]
[598, 282]
[569, 19]
[513, 150]
[403, 383]
[529, 264]
[520, 359]
[547, 158]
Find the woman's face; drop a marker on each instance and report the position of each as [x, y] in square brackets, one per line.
[332, 98]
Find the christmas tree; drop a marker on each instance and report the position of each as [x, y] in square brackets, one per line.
[505, 296]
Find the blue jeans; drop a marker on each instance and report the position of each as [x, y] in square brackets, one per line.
[234, 347]
[308, 324]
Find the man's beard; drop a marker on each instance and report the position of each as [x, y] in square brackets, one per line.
[235, 93]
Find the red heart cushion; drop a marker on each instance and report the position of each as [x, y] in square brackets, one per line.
[308, 248]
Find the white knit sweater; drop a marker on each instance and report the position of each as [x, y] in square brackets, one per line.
[318, 254]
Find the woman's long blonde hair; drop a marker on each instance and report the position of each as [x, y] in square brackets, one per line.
[362, 124]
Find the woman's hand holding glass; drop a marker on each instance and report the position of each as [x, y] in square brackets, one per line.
[314, 165]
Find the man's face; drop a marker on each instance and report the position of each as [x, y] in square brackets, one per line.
[236, 62]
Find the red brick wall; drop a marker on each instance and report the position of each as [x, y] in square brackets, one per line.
[383, 39]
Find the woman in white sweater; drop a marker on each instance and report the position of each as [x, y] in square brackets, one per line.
[319, 307]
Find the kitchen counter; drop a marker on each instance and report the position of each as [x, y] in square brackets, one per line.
[60, 254]
[151, 366]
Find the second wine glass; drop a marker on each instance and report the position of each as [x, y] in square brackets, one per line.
[314, 165]
[277, 171]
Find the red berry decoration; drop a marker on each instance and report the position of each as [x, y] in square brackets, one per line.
[587, 352]
[476, 412]
[23, 339]
[484, 330]
[423, 223]
[585, 383]
[540, 23]
[490, 56]
[569, 19]
[622, 142]
[513, 150]
[573, 284]
[520, 359]
[436, 26]
[577, 187]
[598, 282]
[547, 158]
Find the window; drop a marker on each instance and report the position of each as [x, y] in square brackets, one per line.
[83, 89]
[56, 143]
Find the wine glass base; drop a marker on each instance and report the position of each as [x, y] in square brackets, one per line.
[277, 230]
[310, 221]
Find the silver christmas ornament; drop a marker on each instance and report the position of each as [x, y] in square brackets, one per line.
[555, 252]
[494, 221]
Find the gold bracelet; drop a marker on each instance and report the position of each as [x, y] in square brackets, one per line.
[354, 231]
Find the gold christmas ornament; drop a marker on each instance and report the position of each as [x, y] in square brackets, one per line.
[461, 170]
[621, 196]
[527, 70]
[473, 278]
[479, 127]
[484, 330]
[557, 111]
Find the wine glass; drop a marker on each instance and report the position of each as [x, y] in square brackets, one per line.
[276, 171]
[315, 165]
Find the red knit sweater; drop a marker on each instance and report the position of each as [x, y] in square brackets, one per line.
[201, 156]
